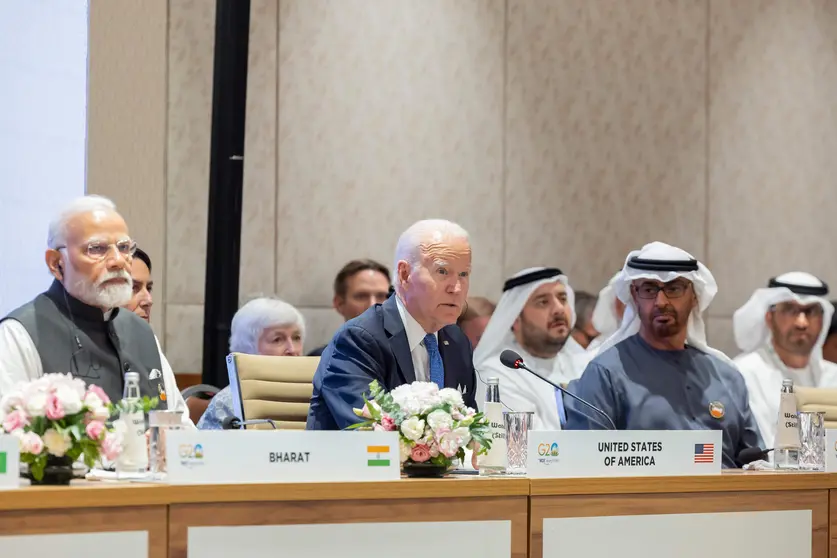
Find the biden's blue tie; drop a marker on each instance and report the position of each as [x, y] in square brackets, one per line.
[437, 368]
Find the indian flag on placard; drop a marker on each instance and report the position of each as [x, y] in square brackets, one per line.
[378, 456]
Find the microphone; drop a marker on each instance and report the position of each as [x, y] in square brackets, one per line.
[513, 360]
[235, 423]
[748, 455]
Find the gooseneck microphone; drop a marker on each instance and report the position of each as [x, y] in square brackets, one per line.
[513, 360]
[235, 423]
[748, 455]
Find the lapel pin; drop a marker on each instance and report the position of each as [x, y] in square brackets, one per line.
[445, 343]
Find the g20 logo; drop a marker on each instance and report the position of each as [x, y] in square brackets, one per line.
[545, 450]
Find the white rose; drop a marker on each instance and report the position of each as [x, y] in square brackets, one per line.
[12, 400]
[439, 419]
[451, 397]
[69, 398]
[56, 443]
[401, 393]
[93, 401]
[412, 428]
[463, 434]
[429, 403]
[404, 450]
[101, 413]
[36, 404]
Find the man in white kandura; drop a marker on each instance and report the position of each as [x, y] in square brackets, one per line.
[780, 332]
[607, 315]
[534, 317]
[657, 372]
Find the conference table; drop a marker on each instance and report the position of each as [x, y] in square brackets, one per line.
[457, 515]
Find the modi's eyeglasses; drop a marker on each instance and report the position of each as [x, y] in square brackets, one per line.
[98, 250]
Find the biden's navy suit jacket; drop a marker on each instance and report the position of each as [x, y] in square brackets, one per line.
[374, 346]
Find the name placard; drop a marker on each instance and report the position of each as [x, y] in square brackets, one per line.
[265, 456]
[831, 451]
[623, 453]
[9, 462]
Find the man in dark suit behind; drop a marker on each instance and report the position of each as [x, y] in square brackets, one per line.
[411, 337]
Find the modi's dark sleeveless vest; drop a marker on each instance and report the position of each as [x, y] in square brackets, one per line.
[73, 337]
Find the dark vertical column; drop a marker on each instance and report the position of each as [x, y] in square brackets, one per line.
[226, 172]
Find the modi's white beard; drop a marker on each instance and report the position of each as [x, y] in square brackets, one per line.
[110, 296]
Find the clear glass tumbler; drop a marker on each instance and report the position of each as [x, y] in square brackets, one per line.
[159, 423]
[812, 441]
[518, 424]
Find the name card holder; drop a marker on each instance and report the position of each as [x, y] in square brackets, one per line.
[831, 451]
[268, 456]
[9, 462]
[623, 453]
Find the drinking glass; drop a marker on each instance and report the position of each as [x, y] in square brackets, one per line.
[812, 441]
[518, 424]
[160, 423]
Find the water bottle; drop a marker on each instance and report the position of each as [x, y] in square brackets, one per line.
[494, 462]
[134, 456]
[787, 445]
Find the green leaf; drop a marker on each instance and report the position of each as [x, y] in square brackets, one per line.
[38, 425]
[367, 423]
[74, 452]
[37, 466]
[76, 432]
[91, 454]
[145, 404]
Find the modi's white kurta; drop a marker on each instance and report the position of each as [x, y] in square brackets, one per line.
[763, 373]
[522, 391]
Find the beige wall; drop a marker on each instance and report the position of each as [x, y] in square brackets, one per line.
[562, 133]
[126, 122]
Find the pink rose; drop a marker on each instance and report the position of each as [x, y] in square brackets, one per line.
[54, 408]
[14, 420]
[96, 390]
[388, 423]
[434, 450]
[95, 429]
[31, 443]
[111, 447]
[420, 453]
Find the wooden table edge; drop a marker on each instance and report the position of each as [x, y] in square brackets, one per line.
[732, 481]
[109, 495]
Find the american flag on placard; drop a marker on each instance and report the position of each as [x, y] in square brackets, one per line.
[704, 453]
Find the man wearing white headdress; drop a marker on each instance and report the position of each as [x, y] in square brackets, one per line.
[534, 317]
[657, 372]
[781, 331]
[606, 315]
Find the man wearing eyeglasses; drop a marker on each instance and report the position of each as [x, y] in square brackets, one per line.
[77, 325]
[657, 371]
[781, 330]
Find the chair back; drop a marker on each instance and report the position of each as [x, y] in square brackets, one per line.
[823, 400]
[270, 387]
[197, 399]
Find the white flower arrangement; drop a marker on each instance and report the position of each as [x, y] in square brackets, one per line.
[58, 417]
[434, 425]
